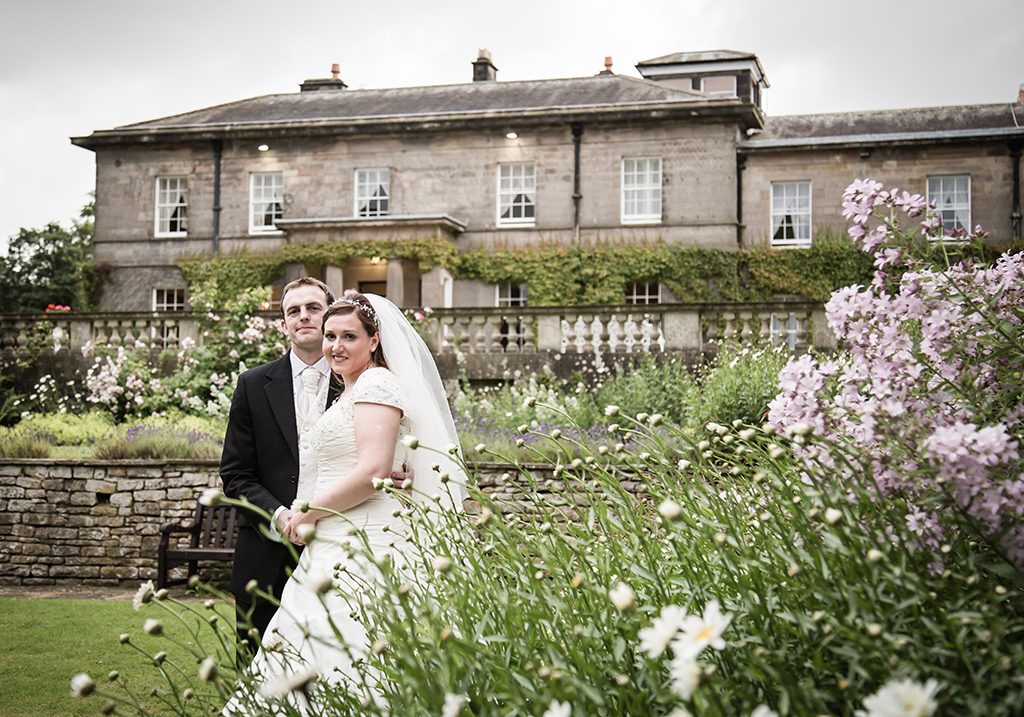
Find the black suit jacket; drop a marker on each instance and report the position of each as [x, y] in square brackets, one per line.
[260, 461]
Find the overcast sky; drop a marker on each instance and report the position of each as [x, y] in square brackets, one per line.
[68, 67]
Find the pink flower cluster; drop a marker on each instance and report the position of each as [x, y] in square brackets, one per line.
[928, 386]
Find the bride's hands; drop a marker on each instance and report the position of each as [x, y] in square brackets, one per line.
[293, 519]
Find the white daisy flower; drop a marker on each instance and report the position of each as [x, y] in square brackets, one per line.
[685, 674]
[902, 698]
[654, 639]
[698, 633]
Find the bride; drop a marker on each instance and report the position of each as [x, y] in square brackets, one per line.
[391, 390]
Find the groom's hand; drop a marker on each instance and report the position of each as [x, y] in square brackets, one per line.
[403, 478]
[286, 524]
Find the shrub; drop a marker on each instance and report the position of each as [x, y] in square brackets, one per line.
[70, 429]
[737, 384]
[22, 444]
[650, 384]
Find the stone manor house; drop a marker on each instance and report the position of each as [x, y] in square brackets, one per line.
[682, 153]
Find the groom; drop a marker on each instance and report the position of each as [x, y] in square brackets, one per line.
[272, 405]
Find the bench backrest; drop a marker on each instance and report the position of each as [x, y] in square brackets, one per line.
[217, 527]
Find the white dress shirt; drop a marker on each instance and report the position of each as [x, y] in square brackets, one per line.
[303, 424]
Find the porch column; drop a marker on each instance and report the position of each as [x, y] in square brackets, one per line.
[436, 288]
[334, 277]
[396, 281]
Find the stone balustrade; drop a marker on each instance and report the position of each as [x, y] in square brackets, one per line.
[65, 330]
[577, 329]
[480, 344]
[601, 330]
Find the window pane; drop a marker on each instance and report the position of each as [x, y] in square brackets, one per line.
[373, 190]
[641, 189]
[172, 206]
[791, 213]
[267, 194]
[951, 196]
[516, 188]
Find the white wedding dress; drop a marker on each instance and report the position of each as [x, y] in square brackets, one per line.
[313, 629]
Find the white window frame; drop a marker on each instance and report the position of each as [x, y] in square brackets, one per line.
[276, 196]
[636, 194]
[367, 182]
[510, 294]
[164, 206]
[799, 238]
[934, 194]
[515, 184]
[162, 303]
[639, 293]
[719, 93]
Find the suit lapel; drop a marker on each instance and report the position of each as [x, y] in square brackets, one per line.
[333, 391]
[281, 397]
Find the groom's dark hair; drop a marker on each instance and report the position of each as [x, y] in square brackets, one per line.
[307, 281]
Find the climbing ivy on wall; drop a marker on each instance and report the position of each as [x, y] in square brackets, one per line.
[600, 274]
[226, 276]
[556, 274]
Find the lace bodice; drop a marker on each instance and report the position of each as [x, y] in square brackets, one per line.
[333, 442]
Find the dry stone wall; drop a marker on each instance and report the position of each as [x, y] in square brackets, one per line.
[98, 522]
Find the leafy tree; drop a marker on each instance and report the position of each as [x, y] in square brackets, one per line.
[51, 265]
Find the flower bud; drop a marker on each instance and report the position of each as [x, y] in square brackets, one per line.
[622, 597]
[670, 510]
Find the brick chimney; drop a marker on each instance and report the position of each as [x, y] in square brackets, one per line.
[483, 69]
[607, 66]
[334, 83]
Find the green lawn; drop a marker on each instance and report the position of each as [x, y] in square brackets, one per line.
[44, 642]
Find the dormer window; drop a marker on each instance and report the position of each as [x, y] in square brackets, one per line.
[719, 86]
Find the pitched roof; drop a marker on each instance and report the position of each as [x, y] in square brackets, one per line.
[705, 56]
[442, 100]
[906, 125]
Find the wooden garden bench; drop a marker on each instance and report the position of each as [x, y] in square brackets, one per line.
[211, 537]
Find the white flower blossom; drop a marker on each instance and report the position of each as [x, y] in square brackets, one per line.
[670, 510]
[82, 685]
[153, 626]
[902, 698]
[208, 669]
[654, 639]
[685, 674]
[211, 496]
[764, 711]
[558, 709]
[452, 705]
[143, 595]
[833, 515]
[286, 684]
[622, 597]
[698, 633]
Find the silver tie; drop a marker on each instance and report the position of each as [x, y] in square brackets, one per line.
[307, 403]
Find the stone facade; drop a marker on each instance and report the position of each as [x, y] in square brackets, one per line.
[443, 145]
[99, 522]
[989, 165]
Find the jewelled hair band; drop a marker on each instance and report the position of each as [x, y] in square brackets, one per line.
[365, 308]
